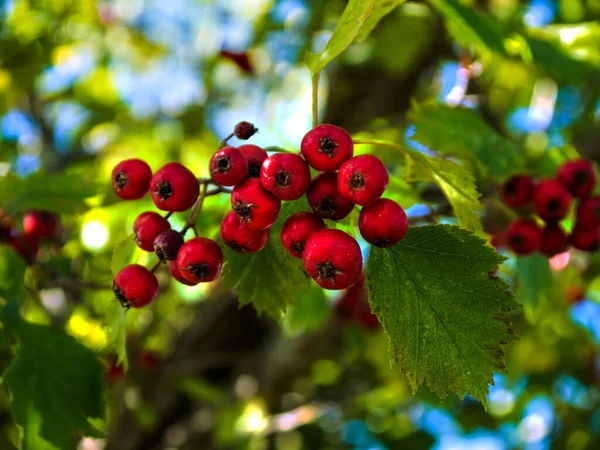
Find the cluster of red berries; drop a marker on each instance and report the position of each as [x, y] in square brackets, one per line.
[552, 199]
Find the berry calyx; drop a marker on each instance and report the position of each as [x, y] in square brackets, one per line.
[26, 245]
[229, 166]
[237, 236]
[167, 245]
[130, 179]
[256, 206]
[174, 188]
[176, 273]
[333, 259]
[578, 177]
[200, 260]
[255, 156]
[383, 224]
[554, 240]
[146, 227]
[325, 199]
[588, 212]
[326, 147]
[363, 179]
[517, 191]
[551, 200]
[244, 130]
[285, 175]
[42, 224]
[297, 229]
[135, 286]
[524, 236]
[586, 239]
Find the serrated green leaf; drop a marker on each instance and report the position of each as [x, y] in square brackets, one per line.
[123, 254]
[117, 331]
[12, 273]
[381, 8]
[444, 314]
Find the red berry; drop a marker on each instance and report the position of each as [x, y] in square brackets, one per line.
[146, 227]
[354, 306]
[229, 166]
[42, 224]
[554, 240]
[524, 236]
[174, 269]
[363, 179]
[256, 206]
[26, 245]
[588, 212]
[244, 130]
[255, 156]
[200, 259]
[333, 259]
[237, 236]
[578, 177]
[130, 179]
[174, 188]
[517, 191]
[551, 200]
[325, 199]
[586, 239]
[285, 175]
[135, 286]
[383, 223]
[113, 372]
[297, 229]
[326, 147]
[167, 244]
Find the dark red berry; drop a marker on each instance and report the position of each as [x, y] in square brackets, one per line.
[517, 191]
[6, 226]
[554, 240]
[130, 179]
[363, 179]
[285, 175]
[229, 166]
[586, 239]
[200, 259]
[524, 236]
[297, 229]
[167, 244]
[354, 306]
[326, 147]
[42, 224]
[588, 212]
[237, 236]
[255, 156]
[26, 245]
[113, 372]
[174, 269]
[244, 130]
[551, 200]
[333, 259]
[256, 206]
[383, 223]
[325, 199]
[578, 177]
[146, 227]
[135, 286]
[174, 188]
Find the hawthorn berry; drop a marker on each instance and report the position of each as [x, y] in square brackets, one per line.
[578, 177]
[237, 236]
[135, 286]
[244, 130]
[383, 224]
[297, 229]
[130, 179]
[285, 175]
[354, 306]
[167, 244]
[363, 179]
[174, 269]
[586, 239]
[524, 236]
[42, 224]
[588, 212]
[26, 245]
[554, 240]
[325, 199]
[174, 188]
[326, 147]
[200, 259]
[551, 200]
[146, 227]
[333, 259]
[517, 191]
[229, 166]
[256, 206]
[255, 156]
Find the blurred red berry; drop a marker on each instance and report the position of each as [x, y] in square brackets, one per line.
[578, 177]
[517, 191]
[524, 236]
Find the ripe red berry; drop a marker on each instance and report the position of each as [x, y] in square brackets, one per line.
[554, 240]
[285, 175]
[255, 156]
[524, 236]
[354, 306]
[200, 259]
[174, 269]
[588, 212]
[256, 206]
[586, 239]
[167, 244]
[130, 179]
[26, 245]
[297, 229]
[229, 166]
[551, 200]
[325, 199]
[517, 191]
[174, 187]
[383, 223]
[333, 259]
[146, 227]
[244, 130]
[578, 177]
[326, 147]
[42, 224]
[363, 179]
[237, 236]
[135, 286]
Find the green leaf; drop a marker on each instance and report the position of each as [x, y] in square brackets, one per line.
[117, 331]
[12, 273]
[534, 280]
[309, 312]
[56, 384]
[444, 314]
[381, 9]
[123, 254]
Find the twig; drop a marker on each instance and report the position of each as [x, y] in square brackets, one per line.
[191, 221]
[224, 141]
[315, 98]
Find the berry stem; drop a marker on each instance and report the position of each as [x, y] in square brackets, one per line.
[191, 221]
[315, 98]
[168, 214]
[156, 266]
[224, 141]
